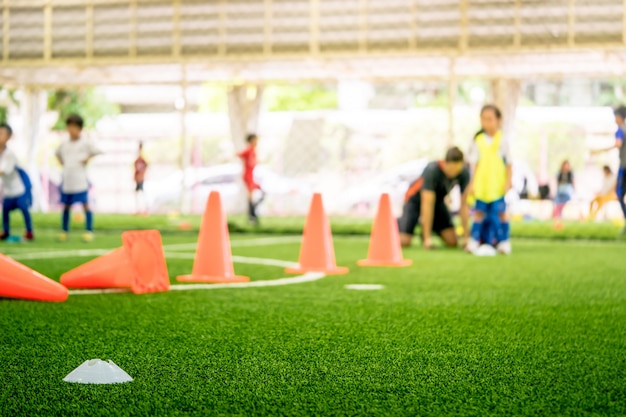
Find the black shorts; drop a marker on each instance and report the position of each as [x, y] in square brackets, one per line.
[139, 186]
[442, 219]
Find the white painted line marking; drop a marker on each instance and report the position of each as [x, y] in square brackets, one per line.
[263, 241]
[364, 287]
[310, 277]
[99, 291]
[54, 253]
[58, 254]
[240, 259]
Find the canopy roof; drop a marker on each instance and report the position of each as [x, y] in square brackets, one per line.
[78, 42]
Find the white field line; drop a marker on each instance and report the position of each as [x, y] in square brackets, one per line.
[241, 260]
[263, 241]
[309, 277]
[51, 254]
[58, 254]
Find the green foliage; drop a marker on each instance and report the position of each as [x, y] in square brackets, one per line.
[88, 103]
[299, 98]
[564, 141]
[213, 99]
[7, 97]
[611, 93]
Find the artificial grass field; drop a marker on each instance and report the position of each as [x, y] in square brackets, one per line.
[539, 333]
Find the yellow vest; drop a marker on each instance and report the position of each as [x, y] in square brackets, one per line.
[490, 175]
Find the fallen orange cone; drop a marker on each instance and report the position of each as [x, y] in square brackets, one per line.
[385, 248]
[111, 270]
[139, 265]
[144, 250]
[19, 281]
[317, 253]
[214, 261]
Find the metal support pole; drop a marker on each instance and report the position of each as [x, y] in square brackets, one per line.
[314, 27]
[176, 30]
[89, 31]
[452, 87]
[5, 30]
[32, 111]
[132, 34]
[517, 37]
[268, 8]
[571, 22]
[47, 32]
[464, 26]
[184, 143]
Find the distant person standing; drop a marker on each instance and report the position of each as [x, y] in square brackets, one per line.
[74, 155]
[564, 190]
[141, 166]
[606, 194]
[248, 157]
[491, 162]
[16, 187]
[620, 120]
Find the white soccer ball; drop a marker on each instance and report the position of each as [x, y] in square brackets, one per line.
[485, 250]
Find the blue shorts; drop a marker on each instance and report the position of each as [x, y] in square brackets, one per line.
[562, 198]
[495, 208]
[13, 203]
[620, 189]
[73, 198]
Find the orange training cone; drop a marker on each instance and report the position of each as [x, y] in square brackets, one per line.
[144, 251]
[385, 248]
[139, 264]
[214, 260]
[111, 270]
[317, 253]
[19, 281]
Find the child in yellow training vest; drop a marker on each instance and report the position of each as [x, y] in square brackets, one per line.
[490, 159]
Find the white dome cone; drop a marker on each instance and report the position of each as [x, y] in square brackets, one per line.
[485, 250]
[96, 371]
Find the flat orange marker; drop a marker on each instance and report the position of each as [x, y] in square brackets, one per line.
[214, 261]
[385, 248]
[317, 253]
[144, 250]
[19, 281]
[111, 270]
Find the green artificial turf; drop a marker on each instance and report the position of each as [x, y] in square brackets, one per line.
[538, 333]
[115, 223]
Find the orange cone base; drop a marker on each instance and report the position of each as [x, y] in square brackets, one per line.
[373, 262]
[212, 280]
[338, 270]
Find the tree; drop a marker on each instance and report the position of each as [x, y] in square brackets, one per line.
[300, 98]
[88, 103]
[7, 97]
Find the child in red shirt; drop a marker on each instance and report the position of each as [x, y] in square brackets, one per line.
[141, 166]
[248, 157]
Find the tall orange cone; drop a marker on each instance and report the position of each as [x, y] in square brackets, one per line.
[19, 281]
[385, 248]
[317, 253]
[144, 251]
[214, 260]
[111, 270]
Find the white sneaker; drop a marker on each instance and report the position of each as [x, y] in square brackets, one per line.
[505, 247]
[472, 246]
